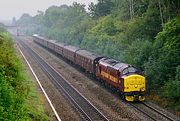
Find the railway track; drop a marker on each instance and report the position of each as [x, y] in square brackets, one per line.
[159, 112]
[151, 112]
[87, 110]
[142, 111]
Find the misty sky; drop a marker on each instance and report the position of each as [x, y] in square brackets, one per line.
[10, 8]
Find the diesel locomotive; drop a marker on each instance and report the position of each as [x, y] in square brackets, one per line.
[125, 78]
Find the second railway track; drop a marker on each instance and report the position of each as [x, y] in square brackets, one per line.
[159, 112]
[86, 109]
[153, 113]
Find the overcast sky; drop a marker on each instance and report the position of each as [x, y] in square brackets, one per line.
[10, 8]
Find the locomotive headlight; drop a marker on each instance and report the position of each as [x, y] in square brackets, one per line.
[142, 89]
[126, 87]
[135, 86]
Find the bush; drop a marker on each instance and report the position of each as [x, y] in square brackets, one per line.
[165, 55]
[14, 88]
[172, 89]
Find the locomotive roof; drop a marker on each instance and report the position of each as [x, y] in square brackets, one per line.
[114, 63]
[88, 54]
[71, 48]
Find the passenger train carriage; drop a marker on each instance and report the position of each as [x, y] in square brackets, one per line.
[124, 77]
[87, 60]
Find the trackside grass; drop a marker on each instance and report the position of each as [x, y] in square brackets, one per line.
[19, 100]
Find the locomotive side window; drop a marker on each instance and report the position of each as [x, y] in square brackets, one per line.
[129, 70]
[132, 70]
[125, 71]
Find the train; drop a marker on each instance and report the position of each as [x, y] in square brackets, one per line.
[125, 78]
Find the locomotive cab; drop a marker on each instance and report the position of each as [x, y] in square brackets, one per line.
[134, 84]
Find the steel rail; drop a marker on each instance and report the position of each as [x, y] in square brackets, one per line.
[84, 106]
[155, 110]
[142, 111]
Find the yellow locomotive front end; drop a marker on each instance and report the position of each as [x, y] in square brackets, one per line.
[134, 87]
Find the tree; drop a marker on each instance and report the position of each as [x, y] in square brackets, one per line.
[25, 19]
[80, 8]
[166, 54]
[172, 89]
[131, 8]
[91, 9]
[102, 8]
[168, 9]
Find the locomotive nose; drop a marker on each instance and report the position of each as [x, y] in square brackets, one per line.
[134, 83]
[134, 87]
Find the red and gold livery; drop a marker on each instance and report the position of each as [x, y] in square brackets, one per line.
[124, 77]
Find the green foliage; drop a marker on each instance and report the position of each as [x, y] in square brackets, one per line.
[25, 18]
[173, 87]
[166, 54]
[138, 53]
[102, 8]
[177, 73]
[10, 80]
[2, 28]
[64, 23]
[172, 90]
[14, 91]
[163, 67]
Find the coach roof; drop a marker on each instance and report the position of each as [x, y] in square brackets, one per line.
[88, 54]
[71, 48]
